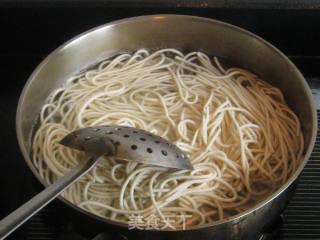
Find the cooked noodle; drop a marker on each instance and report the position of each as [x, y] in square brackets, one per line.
[243, 140]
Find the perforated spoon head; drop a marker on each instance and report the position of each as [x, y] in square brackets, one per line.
[129, 144]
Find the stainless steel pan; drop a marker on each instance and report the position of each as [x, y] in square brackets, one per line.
[186, 33]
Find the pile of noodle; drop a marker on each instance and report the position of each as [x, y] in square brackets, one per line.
[243, 140]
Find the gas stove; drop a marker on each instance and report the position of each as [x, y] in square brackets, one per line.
[31, 30]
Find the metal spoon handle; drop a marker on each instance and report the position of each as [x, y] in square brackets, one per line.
[27, 210]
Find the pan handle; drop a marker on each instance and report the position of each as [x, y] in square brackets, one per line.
[27, 210]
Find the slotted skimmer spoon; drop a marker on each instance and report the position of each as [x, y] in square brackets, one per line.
[121, 142]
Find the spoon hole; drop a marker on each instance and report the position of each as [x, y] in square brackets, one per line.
[164, 153]
[134, 147]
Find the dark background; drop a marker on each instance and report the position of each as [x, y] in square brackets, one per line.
[30, 30]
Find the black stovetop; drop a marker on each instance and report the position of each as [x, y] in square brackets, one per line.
[29, 33]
